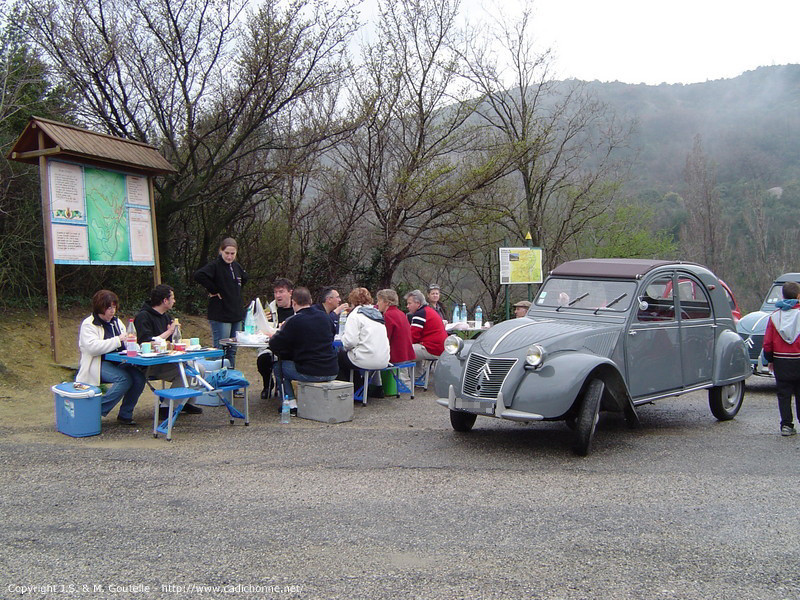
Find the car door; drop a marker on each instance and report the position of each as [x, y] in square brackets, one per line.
[697, 331]
[652, 342]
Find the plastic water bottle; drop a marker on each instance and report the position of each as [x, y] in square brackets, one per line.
[176, 334]
[478, 317]
[249, 321]
[131, 331]
[456, 314]
[463, 314]
[285, 409]
[342, 321]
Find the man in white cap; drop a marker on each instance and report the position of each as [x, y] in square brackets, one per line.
[521, 308]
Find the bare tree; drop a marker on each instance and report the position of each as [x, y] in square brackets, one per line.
[414, 161]
[563, 140]
[219, 89]
[705, 234]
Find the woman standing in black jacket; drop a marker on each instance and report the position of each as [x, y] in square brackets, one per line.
[223, 278]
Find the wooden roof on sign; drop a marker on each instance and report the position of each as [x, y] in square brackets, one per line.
[81, 145]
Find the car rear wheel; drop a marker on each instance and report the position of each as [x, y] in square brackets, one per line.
[588, 415]
[462, 421]
[726, 400]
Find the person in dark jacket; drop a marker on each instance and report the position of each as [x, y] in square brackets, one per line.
[223, 279]
[304, 346]
[153, 321]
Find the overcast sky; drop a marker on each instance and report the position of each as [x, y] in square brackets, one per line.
[678, 41]
[655, 41]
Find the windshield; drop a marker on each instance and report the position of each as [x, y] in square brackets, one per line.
[775, 294]
[595, 295]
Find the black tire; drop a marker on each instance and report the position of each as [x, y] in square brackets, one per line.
[726, 400]
[462, 421]
[588, 413]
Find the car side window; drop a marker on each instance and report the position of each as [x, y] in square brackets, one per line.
[657, 303]
[694, 302]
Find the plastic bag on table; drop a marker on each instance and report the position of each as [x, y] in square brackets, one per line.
[262, 323]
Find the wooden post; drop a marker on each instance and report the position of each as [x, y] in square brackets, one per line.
[52, 297]
[156, 259]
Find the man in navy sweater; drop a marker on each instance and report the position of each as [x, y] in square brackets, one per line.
[304, 346]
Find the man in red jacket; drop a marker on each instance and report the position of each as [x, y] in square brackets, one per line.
[782, 351]
[427, 328]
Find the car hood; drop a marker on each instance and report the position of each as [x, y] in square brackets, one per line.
[553, 334]
[753, 323]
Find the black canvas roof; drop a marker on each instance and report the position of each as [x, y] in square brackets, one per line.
[626, 268]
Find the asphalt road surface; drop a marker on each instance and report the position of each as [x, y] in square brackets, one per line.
[396, 505]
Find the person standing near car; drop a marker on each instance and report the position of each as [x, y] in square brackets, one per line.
[223, 279]
[782, 351]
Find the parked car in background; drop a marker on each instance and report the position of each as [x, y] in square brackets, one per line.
[736, 312]
[602, 334]
[753, 326]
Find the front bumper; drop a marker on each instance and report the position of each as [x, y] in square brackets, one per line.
[486, 408]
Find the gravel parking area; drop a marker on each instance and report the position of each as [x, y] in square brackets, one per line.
[396, 505]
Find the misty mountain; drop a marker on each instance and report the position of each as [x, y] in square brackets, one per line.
[750, 126]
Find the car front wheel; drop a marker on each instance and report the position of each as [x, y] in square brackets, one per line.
[726, 400]
[588, 415]
[462, 421]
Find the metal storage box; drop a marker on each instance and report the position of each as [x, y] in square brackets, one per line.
[329, 402]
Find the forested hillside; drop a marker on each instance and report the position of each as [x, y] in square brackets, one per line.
[750, 126]
[749, 134]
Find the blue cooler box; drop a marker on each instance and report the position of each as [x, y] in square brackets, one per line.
[77, 410]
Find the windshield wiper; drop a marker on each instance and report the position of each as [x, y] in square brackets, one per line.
[612, 303]
[578, 299]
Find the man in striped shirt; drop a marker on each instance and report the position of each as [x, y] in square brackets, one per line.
[427, 328]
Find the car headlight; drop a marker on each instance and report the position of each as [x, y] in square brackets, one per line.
[453, 344]
[535, 355]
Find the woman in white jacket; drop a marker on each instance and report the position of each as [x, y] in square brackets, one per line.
[100, 334]
[365, 344]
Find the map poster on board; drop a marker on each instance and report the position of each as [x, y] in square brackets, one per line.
[99, 216]
[520, 265]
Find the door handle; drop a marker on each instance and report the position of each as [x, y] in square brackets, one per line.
[632, 332]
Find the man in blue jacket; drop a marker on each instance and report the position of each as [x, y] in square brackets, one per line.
[304, 346]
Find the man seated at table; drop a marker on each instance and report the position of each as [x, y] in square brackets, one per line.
[427, 329]
[304, 347]
[151, 322]
[278, 311]
[331, 303]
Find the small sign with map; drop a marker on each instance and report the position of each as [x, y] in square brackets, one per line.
[99, 216]
[520, 265]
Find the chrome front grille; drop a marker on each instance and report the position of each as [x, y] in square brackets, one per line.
[484, 377]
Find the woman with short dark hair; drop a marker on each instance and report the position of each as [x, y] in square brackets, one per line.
[102, 333]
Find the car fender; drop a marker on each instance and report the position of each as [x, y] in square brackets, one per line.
[546, 391]
[449, 369]
[731, 361]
